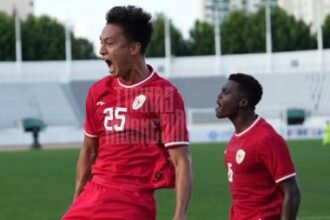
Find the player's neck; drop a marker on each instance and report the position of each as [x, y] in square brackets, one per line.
[244, 121]
[137, 73]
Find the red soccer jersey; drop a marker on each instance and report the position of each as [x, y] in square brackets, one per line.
[256, 160]
[135, 125]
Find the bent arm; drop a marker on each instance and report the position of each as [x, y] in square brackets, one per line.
[86, 159]
[291, 201]
[181, 159]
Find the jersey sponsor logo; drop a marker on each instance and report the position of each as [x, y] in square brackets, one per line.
[240, 155]
[138, 102]
[100, 103]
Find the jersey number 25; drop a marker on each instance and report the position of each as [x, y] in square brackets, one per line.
[117, 113]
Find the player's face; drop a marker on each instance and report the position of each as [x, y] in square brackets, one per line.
[116, 50]
[228, 100]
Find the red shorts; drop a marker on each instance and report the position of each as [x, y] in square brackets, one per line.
[99, 202]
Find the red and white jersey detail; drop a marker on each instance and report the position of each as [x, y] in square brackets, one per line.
[135, 124]
[256, 160]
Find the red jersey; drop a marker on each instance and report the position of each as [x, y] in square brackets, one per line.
[135, 125]
[256, 160]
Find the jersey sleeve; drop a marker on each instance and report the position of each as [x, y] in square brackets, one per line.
[172, 118]
[90, 117]
[275, 155]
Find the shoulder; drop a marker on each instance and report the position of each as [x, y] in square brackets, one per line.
[267, 129]
[164, 86]
[158, 80]
[269, 136]
[100, 85]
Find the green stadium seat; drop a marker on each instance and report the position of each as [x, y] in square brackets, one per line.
[34, 126]
[295, 116]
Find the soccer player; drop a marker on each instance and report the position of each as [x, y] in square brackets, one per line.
[326, 133]
[261, 175]
[136, 138]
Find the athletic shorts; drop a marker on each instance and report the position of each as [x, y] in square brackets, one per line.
[99, 202]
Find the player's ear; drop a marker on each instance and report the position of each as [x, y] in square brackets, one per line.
[243, 102]
[135, 48]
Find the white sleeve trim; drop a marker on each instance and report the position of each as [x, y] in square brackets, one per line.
[170, 144]
[285, 177]
[90, 135]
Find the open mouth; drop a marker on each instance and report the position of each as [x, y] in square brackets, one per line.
[109, 63]
[218, 106]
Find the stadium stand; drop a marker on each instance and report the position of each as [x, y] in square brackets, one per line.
[46, 101]
[296, 90]
[199, 92]
[76, 92]
[54, 91]
[15, 105]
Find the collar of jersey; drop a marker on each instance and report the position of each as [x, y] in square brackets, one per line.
[139, 83]
[248, 129]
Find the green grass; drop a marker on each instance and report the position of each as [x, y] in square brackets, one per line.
[38, 185]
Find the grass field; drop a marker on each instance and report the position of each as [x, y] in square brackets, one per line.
[38, 185]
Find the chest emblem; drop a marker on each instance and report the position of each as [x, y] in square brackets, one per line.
[240, 155]
[138, 102]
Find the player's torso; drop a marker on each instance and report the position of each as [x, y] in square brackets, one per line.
[128, 127]
[241, 161]
[250, 183]
[127, 116]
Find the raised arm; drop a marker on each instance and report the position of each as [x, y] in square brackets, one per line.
[291, 201]
[86, 159]
[181, 159]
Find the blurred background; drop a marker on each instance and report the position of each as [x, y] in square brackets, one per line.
[49, 57]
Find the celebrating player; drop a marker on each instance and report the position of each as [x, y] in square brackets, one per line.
[136, 138]
[261, 175]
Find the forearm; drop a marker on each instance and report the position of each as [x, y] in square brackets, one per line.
[83, 170]
[183, 189]
[290, 206]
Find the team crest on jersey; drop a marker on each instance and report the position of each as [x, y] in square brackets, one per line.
[138, 102]
[240, 155]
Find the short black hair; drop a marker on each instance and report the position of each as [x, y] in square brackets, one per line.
[249, 86]
[135, 22]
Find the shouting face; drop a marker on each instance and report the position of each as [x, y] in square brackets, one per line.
[116, 50]
[229, 100]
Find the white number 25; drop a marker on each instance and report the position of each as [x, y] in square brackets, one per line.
[114, 113]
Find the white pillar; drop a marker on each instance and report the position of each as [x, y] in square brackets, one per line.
[217, 38]
[68, 52]
[18, 45]
[318, 11]
[268, 36]
[168, 53]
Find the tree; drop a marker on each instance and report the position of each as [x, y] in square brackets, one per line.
[156, 46]
[289, 34]
[82, 49]
[7, 38]
[242, 33]
[179, 46]
[245, 33]
[202, 38]
[326, 32]
[43, 38]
